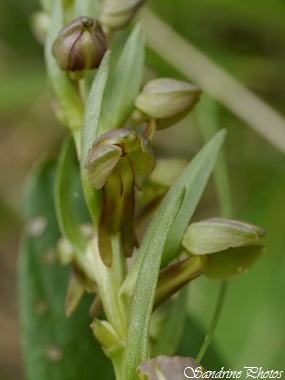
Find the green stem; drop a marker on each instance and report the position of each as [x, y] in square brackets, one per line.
[109, 281]
[216, 317]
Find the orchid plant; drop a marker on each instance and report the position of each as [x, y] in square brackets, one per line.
[82, 260]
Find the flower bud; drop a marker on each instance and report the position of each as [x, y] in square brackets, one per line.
[111, 147]
[219, 234]
[168, 100]
[107, 336]
[80, 45]
[118, 13]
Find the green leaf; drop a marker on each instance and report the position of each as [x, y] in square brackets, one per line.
[90, 132]
[232, 262]
[54, 348]
[144, 293]
[66, 197]
[124, 83]
[70, 106]
[166, 230]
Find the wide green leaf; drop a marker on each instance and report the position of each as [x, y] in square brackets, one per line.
[124, 82]
[166, 229]
[54, 348]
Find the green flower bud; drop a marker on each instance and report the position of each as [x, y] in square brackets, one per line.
[232, 262]
[118, 13]
[219, 234]
[112, 162]
[111, 147]
[168, 100]
[106, 335]
[80, 45]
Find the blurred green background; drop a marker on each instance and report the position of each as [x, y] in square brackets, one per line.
[246, 38]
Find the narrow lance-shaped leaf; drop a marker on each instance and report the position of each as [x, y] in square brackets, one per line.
[89, 133]
[144, 293]
[50, 341]
[196, 176]
[124, 83]
[68, 222]
[64, 202]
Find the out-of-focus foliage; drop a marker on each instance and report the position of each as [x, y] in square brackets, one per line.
[245, 38]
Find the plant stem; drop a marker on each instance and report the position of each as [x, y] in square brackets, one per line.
[217, 82]
[216, 317]
[109, 281]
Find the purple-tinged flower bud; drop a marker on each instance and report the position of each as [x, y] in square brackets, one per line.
[80, 45]
[167, 100]
[170, 367]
